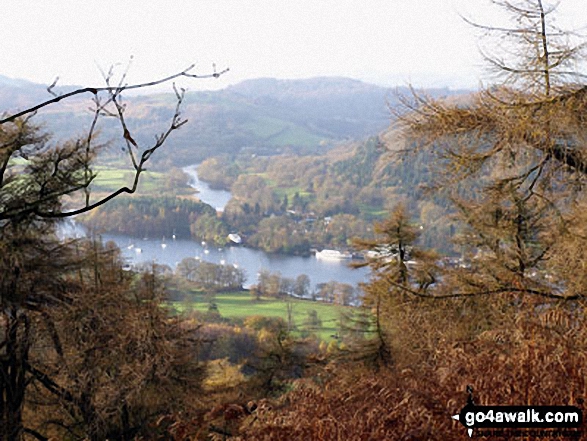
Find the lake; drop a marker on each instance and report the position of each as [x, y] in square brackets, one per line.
[250, 260]
[171, 251]
[216, 198]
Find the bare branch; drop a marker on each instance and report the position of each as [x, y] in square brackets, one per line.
[53, 84]
[54, 183]
[96, 90]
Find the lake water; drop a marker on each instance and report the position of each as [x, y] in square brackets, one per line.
[251, 261]
[171, 251]
[216, 198]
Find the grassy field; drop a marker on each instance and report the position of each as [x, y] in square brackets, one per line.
[240, 305]
[373, 212]
[111, 178]
[290, 192]
[279, 132]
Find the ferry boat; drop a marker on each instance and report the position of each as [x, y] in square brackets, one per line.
[333, 255]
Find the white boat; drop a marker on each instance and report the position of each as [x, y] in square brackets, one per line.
[138, 250]
[233, 237]
[333, 255]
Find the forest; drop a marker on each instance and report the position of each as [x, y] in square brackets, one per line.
[284, 204]
[151, 216]
[291, 204]
[91, 349]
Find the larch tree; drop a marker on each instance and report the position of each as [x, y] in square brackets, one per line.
[512, 159]
[399, 269]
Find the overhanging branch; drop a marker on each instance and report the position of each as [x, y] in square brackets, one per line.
[112, 89]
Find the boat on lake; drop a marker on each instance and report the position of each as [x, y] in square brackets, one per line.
[333, 255]
[235, 238]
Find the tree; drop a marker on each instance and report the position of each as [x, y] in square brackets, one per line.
[326, 291]
[302, 285]
[209, 227]
[35, 178]
[106, 361]
[286, 286]
[512, 159]
[344, 294]
[210, 275]
[312, 322]
[394, 274]
[255, 293]
[393, 253]
[65, 170]
[269, 283]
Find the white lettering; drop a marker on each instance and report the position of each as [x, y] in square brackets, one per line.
[510, 417]
[470, 418]
[536, 417]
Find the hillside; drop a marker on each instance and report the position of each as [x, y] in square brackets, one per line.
[262, 116]
[291, 204]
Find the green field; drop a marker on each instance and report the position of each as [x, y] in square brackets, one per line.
[265, 127]
[290, 192]
[279, 132]
[111, 178]
[239, 305]
[373, 212]
[280, 192]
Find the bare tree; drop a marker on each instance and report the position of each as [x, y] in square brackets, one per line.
[66, 170]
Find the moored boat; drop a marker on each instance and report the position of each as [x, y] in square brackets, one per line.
[235, 238]
[333, 255]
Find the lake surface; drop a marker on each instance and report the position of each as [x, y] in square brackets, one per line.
[251, 261]
[171, 251]
[216, 198]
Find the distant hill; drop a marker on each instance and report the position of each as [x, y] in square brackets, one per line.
[263, 116]
[335, 108]
[17, 94]
[15, 82]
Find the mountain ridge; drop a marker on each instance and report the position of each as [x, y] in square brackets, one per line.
[260, 116]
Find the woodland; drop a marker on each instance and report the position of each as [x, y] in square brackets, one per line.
[92, 350]
[292, 204]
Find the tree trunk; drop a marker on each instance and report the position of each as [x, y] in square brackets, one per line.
[14, 357]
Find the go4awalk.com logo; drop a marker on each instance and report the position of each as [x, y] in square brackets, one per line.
[473, 416]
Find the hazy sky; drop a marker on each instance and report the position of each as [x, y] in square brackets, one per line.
[424, 42]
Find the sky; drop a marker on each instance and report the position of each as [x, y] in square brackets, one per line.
[388, 42]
